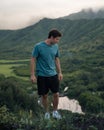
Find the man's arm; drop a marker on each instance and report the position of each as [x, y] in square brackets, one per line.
[58, 66]
[32, 69]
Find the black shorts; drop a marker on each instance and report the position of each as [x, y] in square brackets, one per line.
[47, 83]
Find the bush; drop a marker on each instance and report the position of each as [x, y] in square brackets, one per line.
[92, 128]
[90, 102]
[7, 119]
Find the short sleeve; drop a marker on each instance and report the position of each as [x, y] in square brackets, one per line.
[58, 53]
[35, 51]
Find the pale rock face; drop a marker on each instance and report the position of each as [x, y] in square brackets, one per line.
[69, 104]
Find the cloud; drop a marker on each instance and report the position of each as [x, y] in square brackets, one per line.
[20, 13]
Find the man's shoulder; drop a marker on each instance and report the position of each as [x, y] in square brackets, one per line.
[39, 44]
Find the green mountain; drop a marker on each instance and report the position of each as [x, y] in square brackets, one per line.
[19, 43]
[86, 14]
[78, 35]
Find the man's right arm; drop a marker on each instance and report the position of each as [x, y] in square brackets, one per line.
[32, 69]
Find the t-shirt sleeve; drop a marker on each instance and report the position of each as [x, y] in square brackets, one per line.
[58, 53]
[35, 51]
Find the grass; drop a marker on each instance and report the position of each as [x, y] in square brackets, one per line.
[11, 61]
[7, 69]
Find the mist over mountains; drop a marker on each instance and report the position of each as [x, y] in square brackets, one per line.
[86, 14]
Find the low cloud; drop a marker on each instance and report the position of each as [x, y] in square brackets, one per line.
[15, 14]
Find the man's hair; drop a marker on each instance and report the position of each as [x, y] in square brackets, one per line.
[54, 33]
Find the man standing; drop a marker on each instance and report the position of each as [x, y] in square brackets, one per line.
[45, 62]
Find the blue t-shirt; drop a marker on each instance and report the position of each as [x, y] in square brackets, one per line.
[45, 58]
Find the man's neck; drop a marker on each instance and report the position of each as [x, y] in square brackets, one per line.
[48, 42]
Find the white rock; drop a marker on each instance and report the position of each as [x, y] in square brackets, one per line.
[69, 104]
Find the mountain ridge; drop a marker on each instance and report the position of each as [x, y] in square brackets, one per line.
[86, 14]
[19, 43]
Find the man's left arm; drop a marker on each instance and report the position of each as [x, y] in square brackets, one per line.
[58, 66]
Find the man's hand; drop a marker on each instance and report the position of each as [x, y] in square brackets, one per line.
[60, 76]
[33, 79]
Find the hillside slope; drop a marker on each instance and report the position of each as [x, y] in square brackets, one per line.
[77, 35]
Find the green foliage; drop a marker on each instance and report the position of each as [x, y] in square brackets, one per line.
[27, 114]
[91, 103]
[27, 120]
[6, 116]
[8, 120]
[92, 128]
[2, 77]
[7, 67]
[22, 71]
[83, 35]
[14, 96]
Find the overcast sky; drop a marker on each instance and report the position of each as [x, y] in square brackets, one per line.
[15, 14]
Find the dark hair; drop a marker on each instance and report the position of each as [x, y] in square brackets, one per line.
[54, 33]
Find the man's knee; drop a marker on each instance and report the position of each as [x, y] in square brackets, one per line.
[45, 96]
[56, 95]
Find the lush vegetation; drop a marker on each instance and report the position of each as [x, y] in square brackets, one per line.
[78, 34]
[82, 61]
[19, 109]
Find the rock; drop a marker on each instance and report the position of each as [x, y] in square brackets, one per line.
[69, 104]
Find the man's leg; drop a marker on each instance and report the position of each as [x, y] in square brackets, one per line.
[43, 91]
[55, 101]
[55, 113]
[45, 102]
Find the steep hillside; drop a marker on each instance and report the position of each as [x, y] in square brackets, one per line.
[77, 35]
[19, 43]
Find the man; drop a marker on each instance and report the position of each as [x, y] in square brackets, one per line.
[45, 62]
